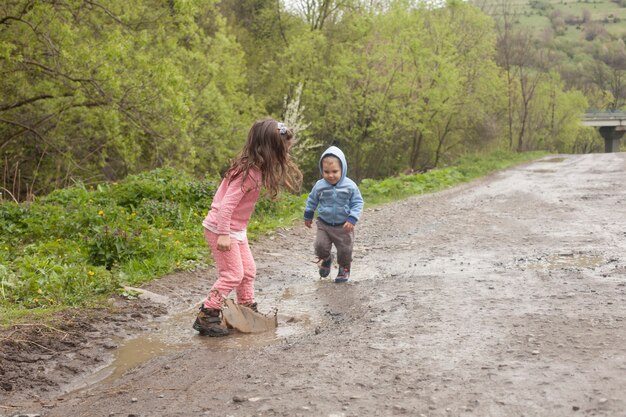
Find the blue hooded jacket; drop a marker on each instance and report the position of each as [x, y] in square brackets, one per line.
[337, 203]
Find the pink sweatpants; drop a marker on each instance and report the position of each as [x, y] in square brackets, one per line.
[235, 271]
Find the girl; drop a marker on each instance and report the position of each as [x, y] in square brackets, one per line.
[263, 161]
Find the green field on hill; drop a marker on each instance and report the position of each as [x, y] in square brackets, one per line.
[536, 15]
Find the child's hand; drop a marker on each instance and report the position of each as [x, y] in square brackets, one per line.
[223, 243]
[348, 226]
[308, 223]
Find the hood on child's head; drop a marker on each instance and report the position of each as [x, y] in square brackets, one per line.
[335, 151]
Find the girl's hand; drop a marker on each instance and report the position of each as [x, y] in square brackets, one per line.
[348, 226]
[308, 223]
[223, 243]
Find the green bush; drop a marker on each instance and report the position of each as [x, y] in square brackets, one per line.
[13, 221]
[46, 281]
[164, 185]
[108, 247]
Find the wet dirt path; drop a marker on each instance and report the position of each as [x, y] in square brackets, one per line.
[503, 297]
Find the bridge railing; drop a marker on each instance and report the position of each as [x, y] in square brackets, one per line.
[610, 115]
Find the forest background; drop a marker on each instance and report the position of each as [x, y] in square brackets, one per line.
[117, 118]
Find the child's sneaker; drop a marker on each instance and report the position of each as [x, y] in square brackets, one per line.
[252, 306]
[325, 266]
[209, 323]
[343, 275]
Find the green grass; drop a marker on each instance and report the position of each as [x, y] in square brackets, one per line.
[11, 315]
[76, 246]
[537, 18]
[465, 169]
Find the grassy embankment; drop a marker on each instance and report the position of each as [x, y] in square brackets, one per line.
[76, 246]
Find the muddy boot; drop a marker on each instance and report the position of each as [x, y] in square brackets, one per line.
[344, 274]
[325, 266]
[252, 306]
[209, 323]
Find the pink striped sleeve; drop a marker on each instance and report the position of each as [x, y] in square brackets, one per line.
[238, 202]
[229, 203]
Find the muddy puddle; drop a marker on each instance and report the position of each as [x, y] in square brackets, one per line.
[552, 160]
[173, 333]
[543, 171]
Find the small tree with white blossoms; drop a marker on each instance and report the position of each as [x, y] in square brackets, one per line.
[306, 150]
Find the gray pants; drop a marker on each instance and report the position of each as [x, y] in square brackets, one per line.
[343, 239]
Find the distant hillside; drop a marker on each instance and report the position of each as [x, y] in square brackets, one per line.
[573, 20]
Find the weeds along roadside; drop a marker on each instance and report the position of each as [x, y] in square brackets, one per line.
[77, 246]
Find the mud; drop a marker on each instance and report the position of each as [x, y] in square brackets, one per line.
[245, 320]
[502, 297]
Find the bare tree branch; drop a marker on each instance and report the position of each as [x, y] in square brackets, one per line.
[108, 12]
[39, 35]
[24, 10]
[9, 192]
[53, 71]
[31, 129]
[280, 23]
[23, 126]
[4, 107]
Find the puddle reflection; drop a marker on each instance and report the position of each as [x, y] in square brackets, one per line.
[134, 352]
[173, 333]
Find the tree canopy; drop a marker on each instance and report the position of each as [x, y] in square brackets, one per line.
[97, 90]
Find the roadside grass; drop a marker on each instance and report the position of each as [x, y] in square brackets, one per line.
[465, 169]
[77, 246]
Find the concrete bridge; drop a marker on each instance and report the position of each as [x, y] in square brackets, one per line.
[612, 126]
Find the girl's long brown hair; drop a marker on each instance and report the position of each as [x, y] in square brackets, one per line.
[268, 150]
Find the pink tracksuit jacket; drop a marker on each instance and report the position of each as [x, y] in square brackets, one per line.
[234, 203]
[231, 210]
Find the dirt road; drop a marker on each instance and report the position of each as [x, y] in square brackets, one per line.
[503, 297]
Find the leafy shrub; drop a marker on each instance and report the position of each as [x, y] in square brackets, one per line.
[13, 219]
[78, 242]
[46, 281]
[540, 5]
[161, 213]
[108, 247]
[269, 214]
[162, 185]
[75, 195]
